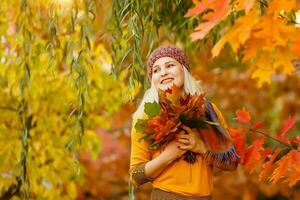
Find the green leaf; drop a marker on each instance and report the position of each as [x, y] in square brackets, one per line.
[125, 55]
[146, 137]
[69, 144]
[152, 109]
[281, 154]
[138, 56]
[140, 125]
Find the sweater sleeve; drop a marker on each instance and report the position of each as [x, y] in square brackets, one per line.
[139, 156]
[209, 157]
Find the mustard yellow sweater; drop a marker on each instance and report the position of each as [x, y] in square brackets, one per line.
[179, 177]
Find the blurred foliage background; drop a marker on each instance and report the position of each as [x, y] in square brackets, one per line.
[73, 71]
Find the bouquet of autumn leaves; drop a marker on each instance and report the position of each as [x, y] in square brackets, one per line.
[164, 119]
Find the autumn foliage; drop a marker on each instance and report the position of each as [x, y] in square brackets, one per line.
[68, 69]
[163, 120]
[262, 32]
[274, 164]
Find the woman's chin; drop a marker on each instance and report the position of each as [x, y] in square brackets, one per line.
[165, 86]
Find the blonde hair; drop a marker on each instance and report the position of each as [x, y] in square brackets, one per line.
[190, 85]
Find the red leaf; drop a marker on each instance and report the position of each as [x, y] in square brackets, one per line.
[254, 149]
[254, 156]
[268, 165]
[259, 125]
[243, 115]
[281, 170]
[286, 126]
[221, 10]
[199, 7]
[294, 168]
[288, 169]
[239, 140]
[295, 160]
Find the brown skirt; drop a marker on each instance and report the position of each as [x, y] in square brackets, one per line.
[158, 194]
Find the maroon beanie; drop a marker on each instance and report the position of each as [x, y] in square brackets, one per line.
[167, 51]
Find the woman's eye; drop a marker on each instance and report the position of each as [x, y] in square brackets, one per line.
[154, 71]
[171, 65]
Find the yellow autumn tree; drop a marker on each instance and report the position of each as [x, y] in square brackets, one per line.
[56, 88]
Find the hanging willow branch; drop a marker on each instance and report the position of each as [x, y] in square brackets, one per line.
[24, 29]
[81, 59]
[139, 26]
[53, 44]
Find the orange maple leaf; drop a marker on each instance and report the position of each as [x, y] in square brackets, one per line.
[173, 94]
[273, 31]
[277, 6]
[221, 10]
[296, 46]
[251, 48]
[288, 169]
[281, 170]
[245, 5]
[293, 178]
[263, 69]
[243, 115]
[286, 126]
[238, 33]
[255, 155]
[283, 61]
[294, 173]
[160, 126]
[267, 167]
[239, 140]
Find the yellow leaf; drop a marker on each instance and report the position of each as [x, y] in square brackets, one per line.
[273, 31]
[283, 60]
[238, 34]
[245, 5]
[252, 47]
[263, 70]
[71, 189]
[277, 6]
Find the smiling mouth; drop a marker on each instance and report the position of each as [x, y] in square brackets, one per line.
[167, 80]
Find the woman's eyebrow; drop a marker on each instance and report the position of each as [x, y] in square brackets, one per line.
[156, 66]
[169, 62]
[164, 64]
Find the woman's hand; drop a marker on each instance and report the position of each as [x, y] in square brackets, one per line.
[170, 153]
[191, 141]
[172, 150]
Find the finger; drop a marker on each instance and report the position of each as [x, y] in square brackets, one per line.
[184, 137]
[185, 147]
[182, 132]
[184, 141]
[186, 128]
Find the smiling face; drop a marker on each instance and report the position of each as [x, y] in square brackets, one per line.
[167, 71]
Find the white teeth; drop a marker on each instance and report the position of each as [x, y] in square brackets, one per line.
[167, 80]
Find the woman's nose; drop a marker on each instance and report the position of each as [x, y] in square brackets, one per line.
[164, 72]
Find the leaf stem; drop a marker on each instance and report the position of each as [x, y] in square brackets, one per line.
[267, 135]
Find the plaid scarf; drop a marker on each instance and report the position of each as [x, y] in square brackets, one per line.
[217, 138]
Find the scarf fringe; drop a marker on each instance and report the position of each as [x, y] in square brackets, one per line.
[227, 156]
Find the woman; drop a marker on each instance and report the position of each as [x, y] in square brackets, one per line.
[171, 176]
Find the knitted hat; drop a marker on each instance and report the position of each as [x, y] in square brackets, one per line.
[167, 51]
